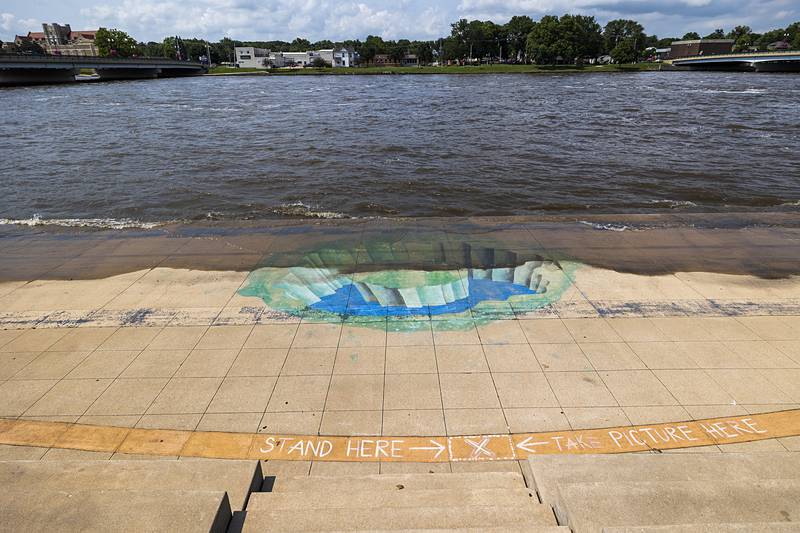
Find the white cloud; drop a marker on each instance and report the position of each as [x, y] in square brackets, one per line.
[10, 24]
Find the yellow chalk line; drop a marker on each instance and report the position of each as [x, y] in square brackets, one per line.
[226, 445]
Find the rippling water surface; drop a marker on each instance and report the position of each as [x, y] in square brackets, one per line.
[258, 147]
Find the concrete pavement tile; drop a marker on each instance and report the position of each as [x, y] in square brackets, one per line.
[309, 362]
[546, 331]
[207, 364]
[748, 386]
[242, 395]
[485, 466]
[33, 340]
[787, 380]
[127, 397]
[770, 328]
[286, 468]
[469, 391]
[656, 414]
[410, 360]
[231, 422]
[180, 422]
[524, 389]
[373, 334]
[355, 392]
[595, 417]
[413, 422]
[501, 332]
[130, 339]
[611, 356]
[155, 364]
[760, 354]
[712, 354]
[51, 365]
[58, 454]
[185, 396]
[8, 335]
[580, 389]
[475, 421]
[663, 355]
[16, 397]
[693, 387]
[119, 421]
[771, 445]
[69, 397]
[299, 393]
[725, 328]
[224, 338]
[317, 336]
[511, 358]
[681, 329]
[637, 388]
[561, 357]
[415, 468]
[103, 364]
[532, 420]
[348, 423]
[291, 423]
[591, 330]
[259, 362]
[461, 358]
[698, 412]
[21, 453]
[272, 336]
[789, 348]
[362, 360]
[412, 391]
[82, 340]
[178, 338]
[334, 468]
[636, 330]
[13, 362]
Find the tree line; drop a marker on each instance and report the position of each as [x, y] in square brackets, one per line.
[550, 40]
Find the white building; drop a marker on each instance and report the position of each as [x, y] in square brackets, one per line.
[249, 57]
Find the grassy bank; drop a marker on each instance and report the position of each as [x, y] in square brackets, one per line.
[479, 69]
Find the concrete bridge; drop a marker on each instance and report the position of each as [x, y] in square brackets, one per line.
[25, 70]
[749, 62]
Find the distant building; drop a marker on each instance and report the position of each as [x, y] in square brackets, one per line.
[61, 40]
[778, 46]
[701, 47]
[249, 57]
[662, 53]
[383, 60]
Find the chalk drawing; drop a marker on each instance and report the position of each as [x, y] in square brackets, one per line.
[468, 285]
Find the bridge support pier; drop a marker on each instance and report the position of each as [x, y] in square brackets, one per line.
[128, 73]
[24, 76]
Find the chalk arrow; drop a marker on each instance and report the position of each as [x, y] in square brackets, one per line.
[527, 444]
[436, 446]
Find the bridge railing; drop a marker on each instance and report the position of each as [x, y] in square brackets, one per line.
[102, 60]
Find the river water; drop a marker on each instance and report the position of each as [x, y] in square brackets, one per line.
[241, 148]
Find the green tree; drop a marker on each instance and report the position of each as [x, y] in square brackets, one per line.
[517, 30]
[174, 48]
[620, 30]
[115, 43]
[300, 45]
[396, 54]
[425, 53]
[716, 34]
[318, 62]
[540, 46]
[624, 52]
[743, 38]
[691, 36]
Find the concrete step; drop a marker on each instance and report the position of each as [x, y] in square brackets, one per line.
[590, 507]
[114, 510]
[330, 484]
[366, 499]
[507, 529]
[761, 527]
[237, 478]
[349, 519]
[549, 471]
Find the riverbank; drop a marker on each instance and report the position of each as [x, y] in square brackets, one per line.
[477, 69]
[434, 327]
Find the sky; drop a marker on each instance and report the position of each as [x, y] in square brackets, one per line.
[391, 19]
